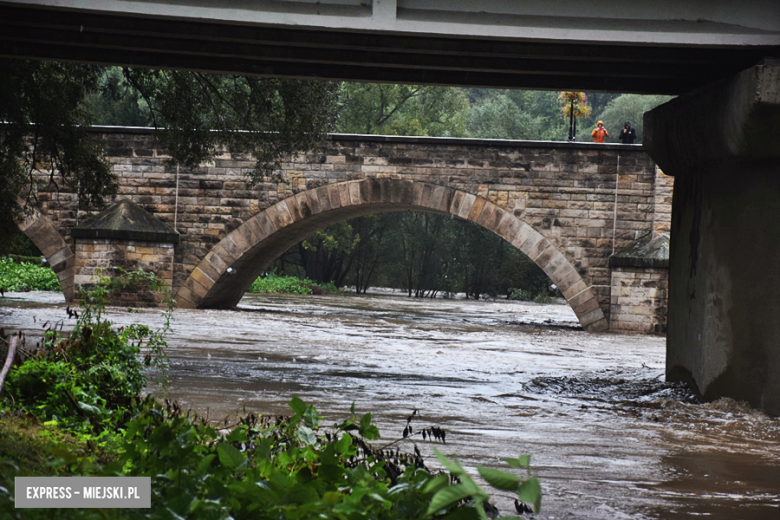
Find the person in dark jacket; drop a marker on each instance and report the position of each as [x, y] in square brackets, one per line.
[628, 134]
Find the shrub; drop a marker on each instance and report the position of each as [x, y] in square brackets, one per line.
[522, 295]
[90, 378]
[274, 283]
[24, 276]
[543, 298]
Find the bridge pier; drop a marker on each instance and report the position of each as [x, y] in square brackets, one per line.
[721, 144]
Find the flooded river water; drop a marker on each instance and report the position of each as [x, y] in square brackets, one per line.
[609, 438]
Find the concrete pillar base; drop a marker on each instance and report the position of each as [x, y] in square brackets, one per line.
[722, 144]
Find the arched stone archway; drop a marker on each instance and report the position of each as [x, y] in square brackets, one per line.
[251, 248]
[44, 235]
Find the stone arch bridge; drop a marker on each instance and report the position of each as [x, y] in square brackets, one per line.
[568, 206]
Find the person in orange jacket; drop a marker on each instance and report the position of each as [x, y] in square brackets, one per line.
[599, 133]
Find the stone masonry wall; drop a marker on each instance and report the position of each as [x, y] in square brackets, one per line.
[662, 213]
[100, 255]
[566, 191]
[639, 299]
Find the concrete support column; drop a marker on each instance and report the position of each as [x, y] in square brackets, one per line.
[722, 145]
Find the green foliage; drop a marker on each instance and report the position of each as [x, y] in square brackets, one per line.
[116, 102]
[276, 468]
[628, 107]
[370, 108]
[24, 276]
[92, 378]
[427, 254]
[45, 127]
[543, 298]
[501, 118]
[198, 114]
[274, 283]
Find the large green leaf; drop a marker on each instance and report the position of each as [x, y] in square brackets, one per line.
[311, 418]
[448, 496]
[297, 405]
[435, 484]
[204, 463]
[530, 491]
[229, 456]
[500, 479]
[452, 465]
[306, 436]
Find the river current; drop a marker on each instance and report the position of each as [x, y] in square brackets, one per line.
[609, 438]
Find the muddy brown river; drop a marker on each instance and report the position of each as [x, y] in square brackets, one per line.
[609, 438]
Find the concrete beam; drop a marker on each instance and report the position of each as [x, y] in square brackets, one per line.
[531, 44]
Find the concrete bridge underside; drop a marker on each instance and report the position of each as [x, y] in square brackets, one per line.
[665, 46]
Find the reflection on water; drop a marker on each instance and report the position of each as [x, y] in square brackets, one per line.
[610, 439]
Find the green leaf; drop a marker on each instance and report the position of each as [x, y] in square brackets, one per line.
[229, 456]
[371, 433]
[365, 421]
[237, 435]
[89, 409]
[297, 405]
[522, 462]
[452, 465]
[531, 492]
[344, 444]
[352, 408]
[306, 436]
[311, 418]
[447, 497]
[205, 463]
[500, 479]
[435, 484]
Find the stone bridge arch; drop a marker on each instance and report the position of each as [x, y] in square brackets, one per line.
[227, 271]
[39, 228]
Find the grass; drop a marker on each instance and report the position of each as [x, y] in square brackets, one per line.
[16, 276]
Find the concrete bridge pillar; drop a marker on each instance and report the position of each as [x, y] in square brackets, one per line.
[722, 144]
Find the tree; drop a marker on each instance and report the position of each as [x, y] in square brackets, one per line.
[47, 109]
[370, 108]
[629, 107]
[198, 114]
[326, 256]
[44, 127]
[116, 103]
[500, 118]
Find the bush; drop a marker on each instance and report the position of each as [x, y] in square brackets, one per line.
[88, 381]
[24, 276]
[522, 295]
[273, 283]
[280, 468]
[543, 298]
